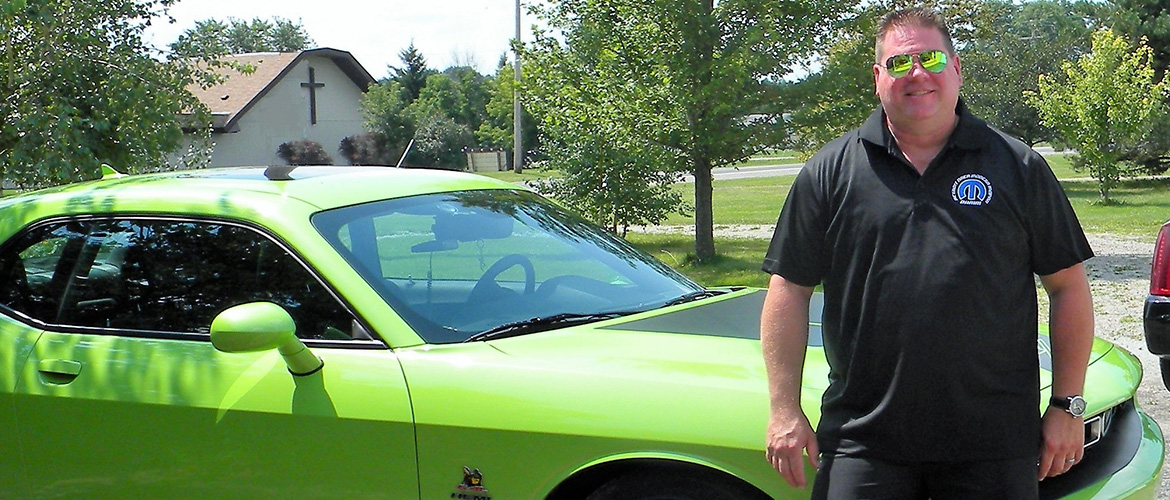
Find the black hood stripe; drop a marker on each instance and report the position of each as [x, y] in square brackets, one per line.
[737, 317]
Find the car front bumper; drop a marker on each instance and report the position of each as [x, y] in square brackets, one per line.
[1127, 465]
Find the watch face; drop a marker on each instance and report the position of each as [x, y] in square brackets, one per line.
[1076, 406]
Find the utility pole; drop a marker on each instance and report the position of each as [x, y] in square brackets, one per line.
[517, 139]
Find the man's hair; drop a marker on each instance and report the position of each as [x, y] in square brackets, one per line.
[921, 17]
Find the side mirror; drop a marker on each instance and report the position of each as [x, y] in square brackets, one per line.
[260, 326]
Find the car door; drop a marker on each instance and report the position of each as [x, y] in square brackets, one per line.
[124, 395]
[16, 342]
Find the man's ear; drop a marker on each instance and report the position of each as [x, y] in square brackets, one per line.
[876, 74]
[959, 69]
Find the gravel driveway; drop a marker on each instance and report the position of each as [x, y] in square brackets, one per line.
[1119, 278]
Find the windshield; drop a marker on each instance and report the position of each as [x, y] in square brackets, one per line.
[457, 264]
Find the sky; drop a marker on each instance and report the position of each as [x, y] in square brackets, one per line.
[446, 32]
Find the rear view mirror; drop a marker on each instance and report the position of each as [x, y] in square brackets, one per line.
[473, 226]
[452, 228]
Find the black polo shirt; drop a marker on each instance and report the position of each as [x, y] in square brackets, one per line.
[930, 317]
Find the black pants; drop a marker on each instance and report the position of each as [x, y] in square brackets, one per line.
[853, 478]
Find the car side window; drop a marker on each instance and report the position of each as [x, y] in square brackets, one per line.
[160, 275]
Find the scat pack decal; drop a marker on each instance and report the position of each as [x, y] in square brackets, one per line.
[472, 486]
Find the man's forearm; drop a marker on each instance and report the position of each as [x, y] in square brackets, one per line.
[1070, 327]
[784, 339]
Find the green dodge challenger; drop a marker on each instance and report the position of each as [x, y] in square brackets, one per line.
[373, 332]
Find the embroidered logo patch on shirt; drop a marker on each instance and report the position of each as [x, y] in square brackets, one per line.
[971, 189]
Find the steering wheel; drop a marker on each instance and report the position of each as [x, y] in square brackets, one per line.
[486, 287]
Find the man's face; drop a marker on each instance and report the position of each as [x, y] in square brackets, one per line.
[919, 98]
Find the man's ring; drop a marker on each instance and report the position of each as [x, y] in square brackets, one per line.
[1070, 461]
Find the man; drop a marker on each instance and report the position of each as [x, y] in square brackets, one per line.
[925, 227]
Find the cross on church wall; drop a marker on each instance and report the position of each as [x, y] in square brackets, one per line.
[312, 85]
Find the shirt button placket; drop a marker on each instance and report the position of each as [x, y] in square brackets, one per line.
[921, 205]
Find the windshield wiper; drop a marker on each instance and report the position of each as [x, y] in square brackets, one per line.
[541, 323]
[693, 296]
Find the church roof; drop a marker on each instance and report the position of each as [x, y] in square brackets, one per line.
[230, 100]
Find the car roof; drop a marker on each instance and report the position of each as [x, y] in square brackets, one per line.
[247, 192]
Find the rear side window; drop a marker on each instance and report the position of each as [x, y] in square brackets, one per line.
[160, 275]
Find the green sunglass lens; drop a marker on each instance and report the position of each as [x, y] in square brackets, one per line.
[899, 65]
[933, 60]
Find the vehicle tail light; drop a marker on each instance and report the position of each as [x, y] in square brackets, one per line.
[1160, 268]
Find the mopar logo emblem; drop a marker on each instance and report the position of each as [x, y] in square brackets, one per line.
[971, 189]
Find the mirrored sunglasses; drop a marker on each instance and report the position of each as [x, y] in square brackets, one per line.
[933, 61]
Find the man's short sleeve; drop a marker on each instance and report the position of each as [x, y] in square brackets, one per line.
[798, 251]
[1057, 240]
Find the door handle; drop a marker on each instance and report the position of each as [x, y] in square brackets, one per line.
[58, 371]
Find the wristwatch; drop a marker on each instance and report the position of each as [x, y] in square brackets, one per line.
[1074, 405]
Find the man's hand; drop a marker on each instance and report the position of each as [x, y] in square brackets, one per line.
[1063, 445]
[789, 435]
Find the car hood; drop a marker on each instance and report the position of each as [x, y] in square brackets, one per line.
[718, 336]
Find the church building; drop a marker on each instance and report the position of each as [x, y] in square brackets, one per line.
[291, 96]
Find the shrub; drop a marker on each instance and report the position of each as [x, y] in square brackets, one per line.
[303, 152]
[370, 148]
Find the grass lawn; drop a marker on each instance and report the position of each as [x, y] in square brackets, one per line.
[737, 263]
[1139, 206]
[1062, 167]
[743, 201]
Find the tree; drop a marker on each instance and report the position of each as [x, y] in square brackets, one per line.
[206, 38]
[1136, 19]
[434, 121]
[286, 36]
[687, 75]
[607, 179]
[1106, 105]
[474, 92]
[80, 88]
[1031, 39]
[839, 97]
[497, 129]
[449, 107]
[459, 93]
[384, 109]
[440, 142]
[211, 38]
[413, 74]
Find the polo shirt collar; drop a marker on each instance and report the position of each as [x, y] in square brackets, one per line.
[971, 133]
